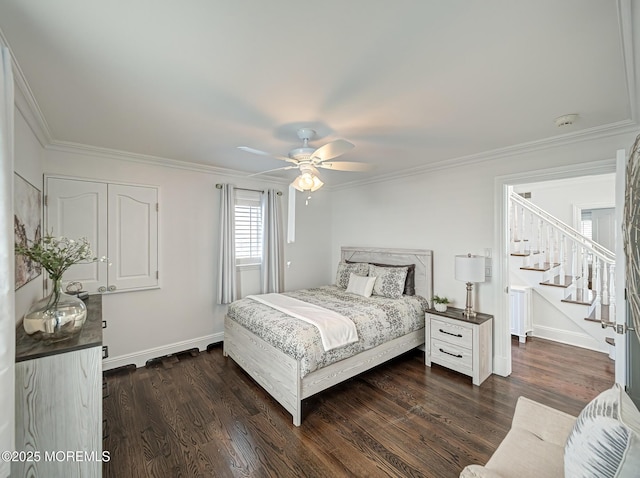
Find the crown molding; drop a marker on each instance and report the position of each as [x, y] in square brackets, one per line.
[25, 100]
[107, 153]
[590, 134]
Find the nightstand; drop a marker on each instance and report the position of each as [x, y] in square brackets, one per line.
[459, 343]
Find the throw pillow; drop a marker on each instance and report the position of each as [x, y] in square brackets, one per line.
[344, 271]
[605, 440]
[361, 285]
[389, 282]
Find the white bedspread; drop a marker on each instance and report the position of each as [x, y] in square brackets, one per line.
[335, 329]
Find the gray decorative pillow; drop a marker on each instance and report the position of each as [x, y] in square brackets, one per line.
[389, 282]
[345, 270]
[605, 440]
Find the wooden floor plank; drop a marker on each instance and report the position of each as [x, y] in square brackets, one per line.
[202, 416]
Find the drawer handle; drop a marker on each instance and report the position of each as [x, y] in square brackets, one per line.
[449, 333]
[449, 353]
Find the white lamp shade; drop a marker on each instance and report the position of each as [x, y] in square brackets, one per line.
[470, 268]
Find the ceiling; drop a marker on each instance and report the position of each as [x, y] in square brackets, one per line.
[410, 83]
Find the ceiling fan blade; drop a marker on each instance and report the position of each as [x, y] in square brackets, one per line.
[331, 150]
[264, 153]
[271, 170]
[345, 166]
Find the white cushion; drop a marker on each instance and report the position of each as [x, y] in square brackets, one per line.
[361, 285]
[605, 440]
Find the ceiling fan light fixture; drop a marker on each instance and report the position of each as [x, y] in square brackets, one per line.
[307, 182]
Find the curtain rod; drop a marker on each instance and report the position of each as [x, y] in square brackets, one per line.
[219, 186]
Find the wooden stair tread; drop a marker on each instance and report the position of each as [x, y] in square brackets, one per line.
[610, 341]
[559, 281]
[543, 266]
[520, 254]
[581, 296]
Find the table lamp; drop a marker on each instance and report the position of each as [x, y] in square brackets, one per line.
[470, 269]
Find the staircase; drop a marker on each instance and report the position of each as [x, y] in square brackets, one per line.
[572, 276]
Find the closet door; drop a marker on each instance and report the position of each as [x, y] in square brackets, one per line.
[78, 209]
[133, 237]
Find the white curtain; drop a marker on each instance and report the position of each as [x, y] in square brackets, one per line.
[272, 243]
[7, 262]
[227, 263]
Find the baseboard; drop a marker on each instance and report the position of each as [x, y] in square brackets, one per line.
[139, 359]
[570, 338]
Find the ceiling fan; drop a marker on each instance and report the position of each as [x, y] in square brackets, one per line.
[307, 159]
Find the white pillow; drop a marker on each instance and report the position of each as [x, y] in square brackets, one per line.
[605, 440]
[361, 285]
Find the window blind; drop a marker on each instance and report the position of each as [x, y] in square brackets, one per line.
[248, 218]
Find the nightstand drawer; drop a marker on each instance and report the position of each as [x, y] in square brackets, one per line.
[456, 358]
[453, 332]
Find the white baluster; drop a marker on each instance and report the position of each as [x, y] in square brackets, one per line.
[562, 259]
[597, 286]
[585, 267]
[530, 235]
[522, 227]
[539, 236]
[574, 259]
[605, 288]
[549, 254]
[612, 293]
[514, 227]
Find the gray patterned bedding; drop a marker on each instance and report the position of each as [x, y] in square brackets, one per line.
[377, 319]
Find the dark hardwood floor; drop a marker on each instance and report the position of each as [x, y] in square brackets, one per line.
[201, 415]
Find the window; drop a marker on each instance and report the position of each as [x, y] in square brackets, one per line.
[248, 217]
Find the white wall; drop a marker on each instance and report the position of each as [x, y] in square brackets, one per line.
[452, 211]
[182, 313]
[28, 163]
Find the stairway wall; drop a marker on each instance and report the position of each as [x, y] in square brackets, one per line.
[550, 323]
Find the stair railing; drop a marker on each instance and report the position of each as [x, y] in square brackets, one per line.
[575, 256]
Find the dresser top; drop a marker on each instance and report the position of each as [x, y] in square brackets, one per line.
[28, 348]
[458, 314]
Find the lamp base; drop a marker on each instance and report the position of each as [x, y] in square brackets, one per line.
[468, 310]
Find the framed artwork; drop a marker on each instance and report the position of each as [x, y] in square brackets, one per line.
[27, 226]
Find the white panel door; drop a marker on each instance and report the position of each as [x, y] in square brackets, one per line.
[133, 233]
[78, 209]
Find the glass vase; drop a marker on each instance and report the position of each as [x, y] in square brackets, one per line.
[57, 317]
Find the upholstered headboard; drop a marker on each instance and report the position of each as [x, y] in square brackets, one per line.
[422, 258]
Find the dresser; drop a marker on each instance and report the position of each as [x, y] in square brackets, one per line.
[459, 343]
[59, 403]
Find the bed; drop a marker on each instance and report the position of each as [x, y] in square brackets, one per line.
[261, 341]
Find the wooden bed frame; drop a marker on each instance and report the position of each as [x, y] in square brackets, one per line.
[279, 374]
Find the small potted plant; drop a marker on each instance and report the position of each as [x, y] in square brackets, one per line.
[440, 303]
